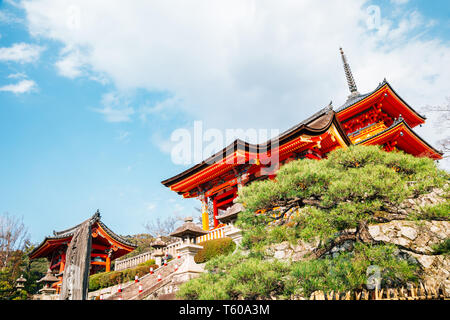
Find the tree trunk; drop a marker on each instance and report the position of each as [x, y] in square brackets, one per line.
[362, 232]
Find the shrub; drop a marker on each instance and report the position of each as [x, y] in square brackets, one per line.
[213, 248]
[442, 248]
[147, 263]
[347, 271]
[107, 279]
[434, 212]
[351, 187]
[238, 277]
[233, 277]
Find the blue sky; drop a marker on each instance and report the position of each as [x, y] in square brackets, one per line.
[90, 94]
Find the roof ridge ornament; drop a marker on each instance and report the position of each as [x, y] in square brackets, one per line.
[330, 105]
[348, 73]
[96, 217]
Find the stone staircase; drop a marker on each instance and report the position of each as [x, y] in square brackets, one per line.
[149, 283]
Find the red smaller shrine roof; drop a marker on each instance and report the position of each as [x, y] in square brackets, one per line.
[408, 140]
[352, 106]
[64, 237]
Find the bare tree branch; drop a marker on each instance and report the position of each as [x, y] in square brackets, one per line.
[13, 237]
[162, 227]
[442, 122]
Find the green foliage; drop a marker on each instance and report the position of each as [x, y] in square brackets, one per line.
[433, 212]
[353, 185]
[147, 263]
[238, 277]
[213, 248]
[143, 242]
[442, 248]
[107, 279]
[234, 276]
[19, 264]
[347, 271]
[350, 188]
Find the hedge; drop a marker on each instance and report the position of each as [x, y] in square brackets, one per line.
[213, 248]
[107, 279]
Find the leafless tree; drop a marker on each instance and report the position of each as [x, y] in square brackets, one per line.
[442, 122]
[163, 227]
[13, 237]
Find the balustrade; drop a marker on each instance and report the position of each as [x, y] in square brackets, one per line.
[171, 249]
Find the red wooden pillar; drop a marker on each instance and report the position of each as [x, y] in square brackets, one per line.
[63, 262]
[108, 264]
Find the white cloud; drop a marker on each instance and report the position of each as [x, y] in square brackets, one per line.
[116, 115]
[164, 144]
[145, 110]
[246, 63]
[115, 108]
[20, 87]
[9, 18]
[70, 66]
[150, 206]
[18, 75]
[124, 136]
[21, 53]
[399, 1]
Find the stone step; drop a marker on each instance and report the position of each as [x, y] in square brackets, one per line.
[149, 283]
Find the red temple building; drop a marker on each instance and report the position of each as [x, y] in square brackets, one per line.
[106, 246]
[380, 117]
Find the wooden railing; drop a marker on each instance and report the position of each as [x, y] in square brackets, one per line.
[213, 234]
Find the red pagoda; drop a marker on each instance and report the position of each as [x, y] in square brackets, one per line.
[106, 246]
[379, 117]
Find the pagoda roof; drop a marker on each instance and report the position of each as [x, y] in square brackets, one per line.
[158, 243]
[49, 277]
[407, 139]
[62, 237]
[402, 108]
[231, 212]
[315, 125]
[188, 228]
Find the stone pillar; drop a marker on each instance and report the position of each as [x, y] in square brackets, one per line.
[158, 257]
[189, 269]
[235, 234]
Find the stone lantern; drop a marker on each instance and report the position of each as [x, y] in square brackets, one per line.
[20, 283]
[188, 232]
[158, 245]
[229, 217]
[48, 279]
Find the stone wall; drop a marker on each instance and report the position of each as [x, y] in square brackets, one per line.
[414, 238]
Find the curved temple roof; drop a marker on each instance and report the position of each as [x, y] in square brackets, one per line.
[315, 125]
[408, 111]
[67, 234]
[383, 96]
[401, 127]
